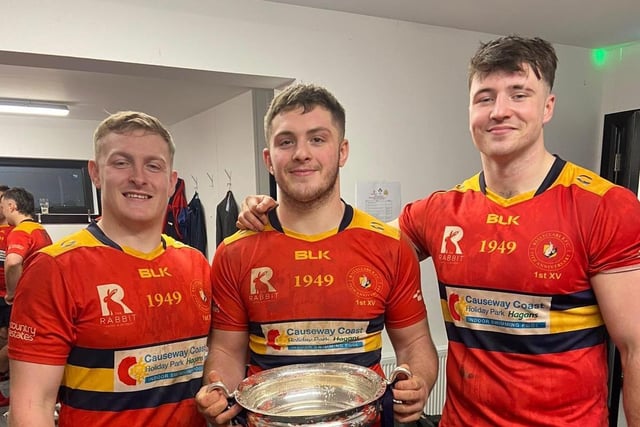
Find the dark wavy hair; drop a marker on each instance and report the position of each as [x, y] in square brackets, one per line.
[509, 53]
[307, 97]
[24, 200]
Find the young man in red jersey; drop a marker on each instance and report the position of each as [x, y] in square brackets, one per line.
[113, 320]
[537, 259]
[27, 237]
[324, 280]
[5, 308]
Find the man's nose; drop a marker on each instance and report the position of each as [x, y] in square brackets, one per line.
[501, 108]
[302, 151]
[137, 175]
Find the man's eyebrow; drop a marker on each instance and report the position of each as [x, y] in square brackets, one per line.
[318, 129]
[483, 91]
[283, 133]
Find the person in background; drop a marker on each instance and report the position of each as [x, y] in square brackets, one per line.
[321, 266]
[537, 259]
[5, 309]
[113, 319]
[27, 236]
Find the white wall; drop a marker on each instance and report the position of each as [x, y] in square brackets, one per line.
[403, 85]
[48, 138]
[621, 86]
[218, 139]
[22, 136]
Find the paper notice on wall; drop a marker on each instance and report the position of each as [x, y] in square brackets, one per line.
[379, 198]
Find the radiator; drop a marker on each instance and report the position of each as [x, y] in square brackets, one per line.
[435, 403]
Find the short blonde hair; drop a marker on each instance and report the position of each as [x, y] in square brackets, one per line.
[129, 121]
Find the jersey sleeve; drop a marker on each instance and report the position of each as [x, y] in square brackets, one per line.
[229, 312]
[41, 329]
[406, 305]
[615, 242]
[413, 223]
[19, 243]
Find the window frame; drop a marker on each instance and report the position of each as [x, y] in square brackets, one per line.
[59, 214]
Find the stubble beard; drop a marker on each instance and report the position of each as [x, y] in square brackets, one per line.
[309, 200]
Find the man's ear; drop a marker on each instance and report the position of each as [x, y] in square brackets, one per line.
[344, 152]
[266, 156]
[548, 108]
[173, 180]
[94, 173]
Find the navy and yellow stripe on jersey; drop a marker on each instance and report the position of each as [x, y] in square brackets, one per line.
[89, 377]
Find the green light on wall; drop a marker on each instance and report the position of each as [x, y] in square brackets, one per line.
[599, 57]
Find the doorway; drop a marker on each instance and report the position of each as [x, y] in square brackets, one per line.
[620, 164]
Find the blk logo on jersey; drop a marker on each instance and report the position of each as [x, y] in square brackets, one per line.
[151, 273]
[311, 255]
[503, 220]
[114, 310]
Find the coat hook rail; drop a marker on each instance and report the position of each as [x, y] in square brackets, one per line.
[228, 173]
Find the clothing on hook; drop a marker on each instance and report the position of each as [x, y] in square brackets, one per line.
[196, 225]
[175, 224]
[226, 217]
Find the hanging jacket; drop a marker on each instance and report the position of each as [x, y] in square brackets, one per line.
[226, 217]
[197, 228]
[175, 224]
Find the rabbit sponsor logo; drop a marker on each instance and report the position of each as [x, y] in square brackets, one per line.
[261, 288]
[450, 250]
[114, 310]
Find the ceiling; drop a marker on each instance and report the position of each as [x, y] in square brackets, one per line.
[171, 94]
[94, 88]
[582, 23]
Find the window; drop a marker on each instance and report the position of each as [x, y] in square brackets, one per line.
[66, 183]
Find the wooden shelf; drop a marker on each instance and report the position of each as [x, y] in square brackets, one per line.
[55, 218]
